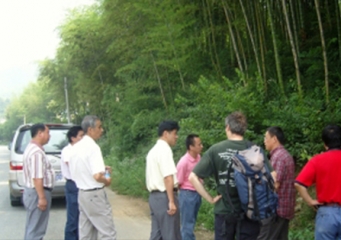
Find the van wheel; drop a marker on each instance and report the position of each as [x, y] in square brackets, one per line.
[15, 201]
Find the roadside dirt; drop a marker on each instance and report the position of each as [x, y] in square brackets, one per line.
[133, 217]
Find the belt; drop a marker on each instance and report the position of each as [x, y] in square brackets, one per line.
[174, 190]
[92, 189]
[332, 205]
[190, 190]
[48, 189]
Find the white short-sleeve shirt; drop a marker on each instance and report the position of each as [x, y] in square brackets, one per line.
[65, 157]
[86, 160]
[160, 164]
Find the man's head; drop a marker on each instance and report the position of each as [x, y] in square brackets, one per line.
[273, 137]
[75, 134]
[193, 144]
[40, 133]
[92, 126]
[168, 131]
[331, 136]
[235, 124]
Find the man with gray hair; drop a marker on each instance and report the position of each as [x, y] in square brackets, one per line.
[216, 162]
[88, 171]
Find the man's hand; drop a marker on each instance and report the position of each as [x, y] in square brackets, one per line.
[108, 182]
[314, 204]
[215, 199]
[172, 208]
[42, 204]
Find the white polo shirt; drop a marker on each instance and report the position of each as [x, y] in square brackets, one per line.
[85, 161]
[65, 157]
[160, 164]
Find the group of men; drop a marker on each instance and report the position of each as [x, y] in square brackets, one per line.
[164, 181]
[172, 217]
[89, 214]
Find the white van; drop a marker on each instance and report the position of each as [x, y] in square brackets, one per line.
[53, 148]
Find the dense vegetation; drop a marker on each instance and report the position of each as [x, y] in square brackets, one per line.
[134, 63]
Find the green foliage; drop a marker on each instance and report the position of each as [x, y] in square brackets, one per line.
[128, 175]
[136, 63]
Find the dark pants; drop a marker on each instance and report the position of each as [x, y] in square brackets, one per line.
[164, 226]
[277, 229]
[71, 195]
[229, 228]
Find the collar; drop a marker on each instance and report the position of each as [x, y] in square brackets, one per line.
[37, 144]
[162, 141]
[276, 149]
[192, 159]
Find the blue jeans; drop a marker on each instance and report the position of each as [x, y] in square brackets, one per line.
[71, 195]
[328, 223]
[190, 202]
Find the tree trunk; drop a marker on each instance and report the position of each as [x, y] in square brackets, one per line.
[261, 44]
[159, 81]
[293, 49]
[324, 53]
[337, 14]
[251, 37]
[213, 39]
[295, 32]
[274, 41]
[232, 37]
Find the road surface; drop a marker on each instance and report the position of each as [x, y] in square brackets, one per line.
[131, 216]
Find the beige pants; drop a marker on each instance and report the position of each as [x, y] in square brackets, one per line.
[95, 216]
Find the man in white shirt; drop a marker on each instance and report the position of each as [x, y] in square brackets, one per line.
[74, 134]
[162, 184]
[88, 171]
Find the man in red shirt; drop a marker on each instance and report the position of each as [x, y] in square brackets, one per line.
[283, 163]
[324, 170]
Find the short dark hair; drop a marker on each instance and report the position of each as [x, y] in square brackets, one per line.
[168, 126]
[236, 122]
[278, 132]
[331, 136]
[37, 128]
[190, 140]
[73, 132]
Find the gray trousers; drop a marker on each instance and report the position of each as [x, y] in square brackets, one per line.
[276, 229]
[95, 216]
[36, 220]
[164, 226]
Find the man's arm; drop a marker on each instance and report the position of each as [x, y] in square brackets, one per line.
[100, 177]
[194, 179]
[303, 191]
[169, 184]
[39, 187]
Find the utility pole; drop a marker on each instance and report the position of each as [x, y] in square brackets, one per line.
[67, 101]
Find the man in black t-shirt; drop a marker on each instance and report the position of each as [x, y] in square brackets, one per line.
[215, 163]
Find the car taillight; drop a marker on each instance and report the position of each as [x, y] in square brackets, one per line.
[14, 166]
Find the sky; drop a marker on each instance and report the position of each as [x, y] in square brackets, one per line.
[27, 35]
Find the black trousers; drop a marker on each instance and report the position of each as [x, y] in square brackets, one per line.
[226, 228]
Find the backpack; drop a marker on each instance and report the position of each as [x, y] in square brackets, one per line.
[254, 184]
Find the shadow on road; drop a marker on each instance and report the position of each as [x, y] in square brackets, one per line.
[58, 203]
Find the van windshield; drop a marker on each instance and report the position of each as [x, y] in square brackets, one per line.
[58, 141]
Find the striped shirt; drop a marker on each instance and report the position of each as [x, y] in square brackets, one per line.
[36, 165]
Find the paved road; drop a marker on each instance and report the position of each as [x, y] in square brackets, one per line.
[130, 215]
